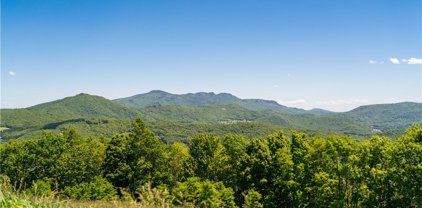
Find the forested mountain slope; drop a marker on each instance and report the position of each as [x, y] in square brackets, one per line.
[94, 115]
[89, 113]
[161, 98]
[388, 116]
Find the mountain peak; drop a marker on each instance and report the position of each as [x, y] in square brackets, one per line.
[157, 92]
[203, 93]
[82, 94]
[84, 105]
[225, 94]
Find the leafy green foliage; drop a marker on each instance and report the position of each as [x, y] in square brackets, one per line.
[203, 194]
[136, 158]
[155, 196]
[40, 188]
[279, 170]
[64, 160]
[9, 198]
[208, 159]
[98, 189]
[252, 199]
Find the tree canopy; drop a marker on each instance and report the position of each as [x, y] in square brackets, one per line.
[280, 170]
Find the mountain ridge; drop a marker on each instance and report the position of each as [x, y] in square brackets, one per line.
[159, 97]
[119, 100]
[233, 98]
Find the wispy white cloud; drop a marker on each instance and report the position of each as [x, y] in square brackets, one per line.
[341, 105]
[12, 73]
[342, 102]
[398, 61]
[334, 105]
[375, 62]
[408, 61]
[414, 61]
[372, 62]
[394, 60]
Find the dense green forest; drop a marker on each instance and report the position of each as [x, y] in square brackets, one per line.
[283, 169]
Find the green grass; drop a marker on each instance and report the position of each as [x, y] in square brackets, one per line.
[3, 129]
[10, 198]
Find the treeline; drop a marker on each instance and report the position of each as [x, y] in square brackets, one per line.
[231, 171]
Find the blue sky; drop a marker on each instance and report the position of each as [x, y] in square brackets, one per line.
[327, 54]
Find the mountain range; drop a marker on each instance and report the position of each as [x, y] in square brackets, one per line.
[161, 98]
[177, 117]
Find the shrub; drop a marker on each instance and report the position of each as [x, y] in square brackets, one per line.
[198, 193]
[40, 188]
[252, 199]
[154, 197]
[99, 189]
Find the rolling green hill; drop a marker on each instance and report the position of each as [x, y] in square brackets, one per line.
[231, 114]
[85, 105]
[388, 116]
[92, 114]
[177, 117]
[81, 106]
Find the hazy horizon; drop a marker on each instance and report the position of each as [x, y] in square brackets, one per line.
[306, 54]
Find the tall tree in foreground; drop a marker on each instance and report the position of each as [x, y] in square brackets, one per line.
[374, 163]
[405, 171]
[208, 157]
[267, 168]
[134, 159]
[301, 172]
[235, 148]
